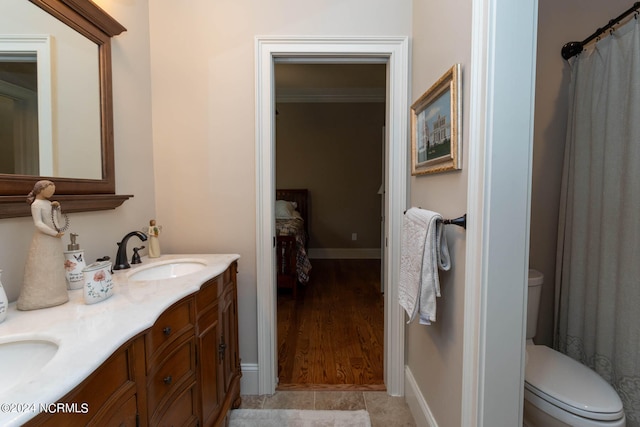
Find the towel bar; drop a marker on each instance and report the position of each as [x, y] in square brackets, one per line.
[460, 221]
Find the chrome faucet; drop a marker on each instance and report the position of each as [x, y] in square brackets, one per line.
[121, 257]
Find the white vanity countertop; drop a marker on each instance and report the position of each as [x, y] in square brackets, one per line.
[88, 334]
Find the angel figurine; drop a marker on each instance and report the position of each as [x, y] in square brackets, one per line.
[154, 243]
[45, 283]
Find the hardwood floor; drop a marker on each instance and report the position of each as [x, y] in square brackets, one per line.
[332, 336]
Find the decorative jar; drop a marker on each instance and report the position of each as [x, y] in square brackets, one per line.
[98, 284]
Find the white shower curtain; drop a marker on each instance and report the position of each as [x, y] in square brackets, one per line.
[598, 258]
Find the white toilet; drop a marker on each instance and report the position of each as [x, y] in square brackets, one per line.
[559, 391]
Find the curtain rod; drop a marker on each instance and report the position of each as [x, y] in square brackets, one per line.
[573, 48]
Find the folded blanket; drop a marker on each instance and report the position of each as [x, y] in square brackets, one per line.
[424, 250]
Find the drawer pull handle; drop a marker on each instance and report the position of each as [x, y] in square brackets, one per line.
[167, 330]
[167, 380]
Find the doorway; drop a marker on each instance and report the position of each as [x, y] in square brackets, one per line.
[329, 118]
[395, 52]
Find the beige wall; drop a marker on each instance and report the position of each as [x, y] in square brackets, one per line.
[335, 151]
[99, 231]
[434, 353]
[559, 23]
[203, 113]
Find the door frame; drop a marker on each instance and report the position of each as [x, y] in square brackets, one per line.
[500, 149]
[395, 51]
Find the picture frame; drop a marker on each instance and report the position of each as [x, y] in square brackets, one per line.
[435, 126]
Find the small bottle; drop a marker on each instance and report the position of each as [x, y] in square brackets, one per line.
[4, 302]
[74, 263]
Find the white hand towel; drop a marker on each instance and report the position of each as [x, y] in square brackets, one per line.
[436, 257]
[424, 250]
[414, 234]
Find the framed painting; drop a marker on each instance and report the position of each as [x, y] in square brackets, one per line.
[435, 126]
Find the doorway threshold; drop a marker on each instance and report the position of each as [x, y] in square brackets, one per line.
[331, 387]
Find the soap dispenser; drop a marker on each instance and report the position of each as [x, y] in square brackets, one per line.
[74, 263]
[4, 302]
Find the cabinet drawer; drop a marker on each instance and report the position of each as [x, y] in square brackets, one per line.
[229, 276]
[125, 415]
[170, 326]
[171, 374]
[208, 294]
[183, 411]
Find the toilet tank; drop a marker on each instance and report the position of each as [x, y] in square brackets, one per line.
[533, 301]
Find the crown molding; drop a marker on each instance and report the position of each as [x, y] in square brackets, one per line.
[318, 95]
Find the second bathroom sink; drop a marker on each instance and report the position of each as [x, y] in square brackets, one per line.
[168, 269]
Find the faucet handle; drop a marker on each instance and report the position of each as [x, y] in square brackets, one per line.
[135, 259]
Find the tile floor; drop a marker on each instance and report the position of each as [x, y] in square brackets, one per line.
[384, 410]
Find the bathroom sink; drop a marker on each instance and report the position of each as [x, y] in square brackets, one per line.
[167, 269]
[22, 360]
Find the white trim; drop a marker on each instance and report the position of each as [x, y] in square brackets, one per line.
[396, 52]
[344, 253]
[498, 203]
[265, 228]
[418, 405]
[472, 393]
[249, 380]
[331, 60]
[41, 45]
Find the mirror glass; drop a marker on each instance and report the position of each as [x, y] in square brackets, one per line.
[19, 145]
[50, 121]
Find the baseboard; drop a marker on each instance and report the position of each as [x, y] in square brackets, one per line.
[416, 402]
[344, 253]
[249, 380]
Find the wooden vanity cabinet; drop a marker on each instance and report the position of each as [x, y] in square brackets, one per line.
[183, 371]
[219, 363]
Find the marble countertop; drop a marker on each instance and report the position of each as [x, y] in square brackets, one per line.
[87, 335]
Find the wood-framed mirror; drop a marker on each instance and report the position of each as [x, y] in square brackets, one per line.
[77, 194]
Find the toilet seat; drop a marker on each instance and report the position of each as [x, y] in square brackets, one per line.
[569, 385]
[540, 413]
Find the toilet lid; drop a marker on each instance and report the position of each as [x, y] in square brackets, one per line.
[570, 385]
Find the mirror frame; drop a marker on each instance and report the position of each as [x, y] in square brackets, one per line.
[77, 195]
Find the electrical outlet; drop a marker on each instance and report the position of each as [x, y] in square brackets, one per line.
[354, 236]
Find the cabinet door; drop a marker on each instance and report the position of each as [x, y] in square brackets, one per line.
[219, 363]
[211, 386]
[107, 397]
[229, 340]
